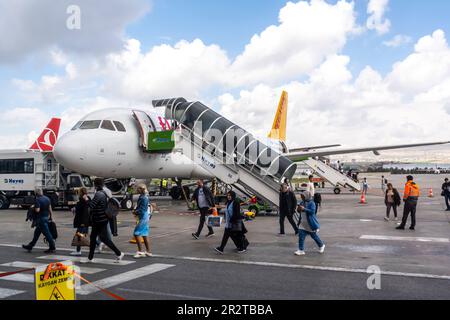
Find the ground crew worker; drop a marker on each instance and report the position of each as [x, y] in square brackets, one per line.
[446, 193]
[164, 187]
[410, 197]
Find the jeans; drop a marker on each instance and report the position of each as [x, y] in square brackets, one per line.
[101, 230]
[203, 213]
[410, 207]
[447, 200]
[42, 228]
[301, 239]
[290, 218]
[388, 209]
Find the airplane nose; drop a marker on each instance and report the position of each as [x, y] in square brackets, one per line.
[66, 152]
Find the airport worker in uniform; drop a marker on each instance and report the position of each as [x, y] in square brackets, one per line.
[446, 193]
[205, 201]
[287, 205]
[411, 198]
[43, 208]
[142, 229]
[308, 224]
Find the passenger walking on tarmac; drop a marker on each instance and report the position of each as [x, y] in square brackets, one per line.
[142, 229]
[234, 227]
[310, 185]
[446, 193]
[82, 217]
[205, 201]
[392, 200]
[365, 186]
[288, 204]
[308, 224]
[43, 209]
[410, 197]
[98, 207]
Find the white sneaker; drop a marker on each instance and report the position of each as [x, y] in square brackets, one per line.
[75, 253]
[322, 249]
[299, 253]
[386, 218]
[99, 248]
[119, 258]
[396, 219]
[148, 254]
[87, 261]
[139, 255]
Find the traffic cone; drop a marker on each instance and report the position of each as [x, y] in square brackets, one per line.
[363, 198]
[430, 193]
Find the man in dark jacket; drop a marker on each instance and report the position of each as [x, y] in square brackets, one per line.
[205, 201]
[288, 205]
[446, 193]
[43, 209]
[100, 221]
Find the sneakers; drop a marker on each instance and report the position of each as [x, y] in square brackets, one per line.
[195, 236]
[322, 249]
[412, 228]
[50, 251]
[119, 258]
[148, 254]
[386, 218]
[400, 228]
[87, 261]
[282, 235]
[27, 247]
[209, 235]
[100, 248]
[299, 253]
[395, 219]
[75, 253]
[241, 251]
[218, 250]
[139, 255]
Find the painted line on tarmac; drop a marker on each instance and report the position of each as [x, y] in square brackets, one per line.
[26, 265]
[157, 293]
[280, 265]
[6, 293]
[168, 234]
[19, 277]
[112, 262]
[123, 277]
[395, 238]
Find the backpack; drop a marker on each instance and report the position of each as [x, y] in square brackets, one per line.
[112, 207]
[318, 198]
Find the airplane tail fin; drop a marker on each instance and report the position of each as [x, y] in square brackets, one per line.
[278, 131]
[48, 137]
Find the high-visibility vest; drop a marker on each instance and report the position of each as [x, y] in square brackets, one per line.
[411, 190]
[164, 183]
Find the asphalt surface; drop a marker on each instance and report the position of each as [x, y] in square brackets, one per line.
[414, 265]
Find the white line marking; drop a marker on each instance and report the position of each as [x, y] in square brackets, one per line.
[22, 264]
[123, 277]
[280, 265]
[19, 277]
[365, 220]
[419, 239]
[6, 293]
[81, 259]
[165, 294]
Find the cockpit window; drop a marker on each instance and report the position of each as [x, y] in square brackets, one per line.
[77, 125]
[106, 124]
[91, 124]
[120, 126]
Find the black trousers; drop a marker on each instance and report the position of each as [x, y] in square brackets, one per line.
[388, 209]
[100, 229]
[410, 208]
[203, 213]
[238, 238]
[290, 218]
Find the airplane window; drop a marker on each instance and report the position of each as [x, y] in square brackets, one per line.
[92, 124]
[120, 126]
[106, 124]
[77, 125]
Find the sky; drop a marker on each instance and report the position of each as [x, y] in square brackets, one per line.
[358, 73]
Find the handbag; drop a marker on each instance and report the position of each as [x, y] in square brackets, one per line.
[236, 226]
[53, 229]
[80, 240]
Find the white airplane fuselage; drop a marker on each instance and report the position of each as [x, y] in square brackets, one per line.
[97, 151]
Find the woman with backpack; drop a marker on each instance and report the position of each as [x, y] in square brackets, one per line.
[142, 229]
[82, 216]
[308, 224]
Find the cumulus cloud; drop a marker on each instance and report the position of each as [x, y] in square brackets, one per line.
[31, 26]
[376, 21]
[398, 41]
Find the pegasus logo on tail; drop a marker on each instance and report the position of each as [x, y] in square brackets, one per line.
[48, 137]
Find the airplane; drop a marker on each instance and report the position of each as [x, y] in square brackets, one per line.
[110, 143]
[47, 139]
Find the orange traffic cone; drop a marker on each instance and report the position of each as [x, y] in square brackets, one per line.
[363, 198]
[430, 193]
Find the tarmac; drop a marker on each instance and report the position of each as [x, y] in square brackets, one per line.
[413, 264]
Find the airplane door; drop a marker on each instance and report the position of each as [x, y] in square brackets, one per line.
[145, 126]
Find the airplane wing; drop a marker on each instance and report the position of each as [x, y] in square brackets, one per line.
[300, 156]
[305, 149]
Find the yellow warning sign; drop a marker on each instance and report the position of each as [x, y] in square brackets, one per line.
[55, 282]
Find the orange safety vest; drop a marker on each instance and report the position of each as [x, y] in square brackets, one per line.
[411, 190]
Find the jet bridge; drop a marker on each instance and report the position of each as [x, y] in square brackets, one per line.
[227, 151]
